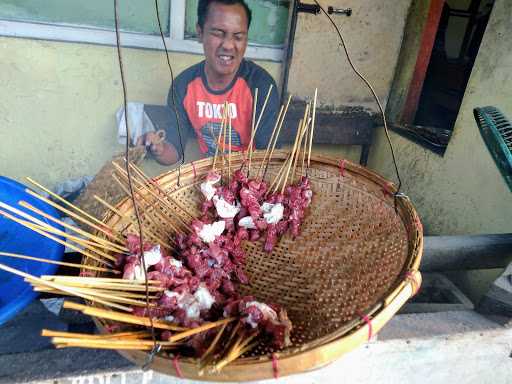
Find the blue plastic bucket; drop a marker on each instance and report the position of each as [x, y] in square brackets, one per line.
[15, 294]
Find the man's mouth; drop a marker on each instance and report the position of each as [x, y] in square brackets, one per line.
[226, 59]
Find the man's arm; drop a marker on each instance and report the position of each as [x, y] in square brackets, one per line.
[163, 152]
[177, 127]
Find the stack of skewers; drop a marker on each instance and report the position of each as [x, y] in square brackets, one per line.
[179, 294]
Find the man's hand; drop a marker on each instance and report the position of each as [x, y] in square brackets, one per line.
[161, 150]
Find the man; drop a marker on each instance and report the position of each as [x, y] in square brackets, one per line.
[200, 92]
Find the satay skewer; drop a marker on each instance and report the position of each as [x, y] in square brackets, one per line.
[118, 335]
[182, 221]
[70, 291]
[223, 122]
[98, 240]
[256, 126]
[298, 138]
[65, 202]
[103, 228]
[37, 225]
[151, 235]
[229, 150]
[55, 262]
[312, 127]
[269, 145]
[159, 188]
[301, 132]
[121, 317]
[277, 135]
[128, 295]
[34, 228]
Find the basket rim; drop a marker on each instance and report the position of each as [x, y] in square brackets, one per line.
[318, 352]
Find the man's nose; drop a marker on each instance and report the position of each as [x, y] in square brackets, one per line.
[228, 43]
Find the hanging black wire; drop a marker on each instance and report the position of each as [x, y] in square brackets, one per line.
[128, 171]
[374, 96]
[173, 92]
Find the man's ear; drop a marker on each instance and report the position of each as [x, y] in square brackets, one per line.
[199, 32]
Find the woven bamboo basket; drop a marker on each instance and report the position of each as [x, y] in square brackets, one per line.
[351, 269]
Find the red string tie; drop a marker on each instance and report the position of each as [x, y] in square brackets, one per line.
[415, 284]
[386, 190]
[342, 167]
[275, 367]
[419, 225]
[193, 169]
[367, 320]
[176, 363]
[112, 328]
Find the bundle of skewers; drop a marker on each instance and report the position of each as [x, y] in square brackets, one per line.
[174, 285]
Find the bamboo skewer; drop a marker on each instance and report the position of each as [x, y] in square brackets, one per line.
[158, 198]
[293, 154]
[129, 218]
[113, 298]
[34, 228]
[229, 153]
[104, 229]
[63, 263]
[211, 348]
[240, 347]
[117, 293]
[65, 201]
[103, 242]
[92, 280]
[312, 127]
[83, 282]
[120, 317]
[150, 235]
[144, 186]
[223, 122]
[200, 329]
[270, 141]
[150, 181]
[120, 335]
[37, 225]
[71, 291]
[110, 343]
[224, 133]
[256, 126]
[296, 154]
[277, 135]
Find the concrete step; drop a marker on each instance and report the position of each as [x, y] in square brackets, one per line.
[441, 347]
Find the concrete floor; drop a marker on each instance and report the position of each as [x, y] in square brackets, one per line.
[444, 347]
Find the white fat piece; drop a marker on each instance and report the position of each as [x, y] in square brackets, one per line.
[224, 209]
[175, 263]
[268, 313]
[204, 297]
[208, 189]
[273, 213]
[247, 222]
[209, 232]
[308, 194]
[153, 256]
[138, 273]
[193, 304]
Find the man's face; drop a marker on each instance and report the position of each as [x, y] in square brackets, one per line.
[224, 39]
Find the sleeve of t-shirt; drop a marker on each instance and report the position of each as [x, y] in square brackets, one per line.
[263, 81]
[180, 128]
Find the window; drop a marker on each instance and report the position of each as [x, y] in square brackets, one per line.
[92, 21]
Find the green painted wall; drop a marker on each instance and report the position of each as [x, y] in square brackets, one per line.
[463, 191]
[57, 115]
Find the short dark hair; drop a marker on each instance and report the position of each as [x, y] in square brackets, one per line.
[204, 5]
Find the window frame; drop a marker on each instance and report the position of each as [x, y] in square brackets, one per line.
[176, 41]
